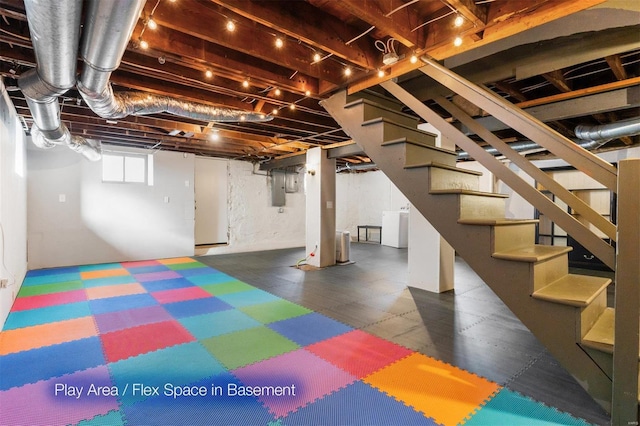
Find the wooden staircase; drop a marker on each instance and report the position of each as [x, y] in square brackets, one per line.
[568, 313]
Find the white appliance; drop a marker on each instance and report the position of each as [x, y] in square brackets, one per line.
[395, 228]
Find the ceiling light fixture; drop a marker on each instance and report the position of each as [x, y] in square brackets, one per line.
[231, 26]
[317, 57]
[279, 43]
[381, 73]
[347, 71]
[457, 41]
[214, 136]
[245, 84]
[152, 24]
[413, 59]
[143, 44]
[292, 107]
[208, 73]
[274, 111]
[458, 21]
[277, 92]
[307, 93]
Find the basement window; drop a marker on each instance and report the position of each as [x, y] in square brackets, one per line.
[124, 168]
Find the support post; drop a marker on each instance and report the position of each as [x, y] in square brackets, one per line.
[320, 184]
[624, 404]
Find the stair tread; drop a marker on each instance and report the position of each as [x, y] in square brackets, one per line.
[380, 106]
[498, 221]
[443, 166]
[467, 192]
[601, 335]
[534, 253]
[573, 290]
[410, 141]
[378, 120]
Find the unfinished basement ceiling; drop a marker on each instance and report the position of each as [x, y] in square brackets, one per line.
[581, 68]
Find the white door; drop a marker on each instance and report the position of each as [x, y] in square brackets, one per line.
[212, 221]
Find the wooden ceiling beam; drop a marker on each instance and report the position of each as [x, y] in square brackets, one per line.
[615, 63]
[557, 79]
[476, 14]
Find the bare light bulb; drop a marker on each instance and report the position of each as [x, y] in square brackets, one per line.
[277, 92]
[307, 93]
[457, 41]
[413, 59]
[152, 24]
[347, 71]
[380, 73]
[279, 43]
[245, 84]
[144, 45]
[317, 57]
[208, 73]
[231, 27]
[458, 21]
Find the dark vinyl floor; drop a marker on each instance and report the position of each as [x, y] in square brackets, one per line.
[469, 327]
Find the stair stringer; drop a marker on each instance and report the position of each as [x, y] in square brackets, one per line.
[555, 325]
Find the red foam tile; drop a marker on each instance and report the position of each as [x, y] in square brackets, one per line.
[134, 341]
[44, 300]
[359, 353]
[180, 294]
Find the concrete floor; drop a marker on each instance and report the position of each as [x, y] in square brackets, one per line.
[468, 327]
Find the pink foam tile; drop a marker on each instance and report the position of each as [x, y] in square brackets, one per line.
[156, 276]
[52, 299]
[302, 377]
[180, 294]
[140, 263]
[47, 402]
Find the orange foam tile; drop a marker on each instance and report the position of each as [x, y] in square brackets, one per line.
[175, 260]
[37, 336]
[439, 390]
[89, 275]
[114, 290]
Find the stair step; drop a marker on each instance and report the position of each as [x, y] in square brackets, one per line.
[377, 98]
[448, 177]
[573, 290]
[416, 152]
[469, 192]
[601, 335]
[500, 221]
[535, 253]
[443, 166]
[371, 109]
[392, 130]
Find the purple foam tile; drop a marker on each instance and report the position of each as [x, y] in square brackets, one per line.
[112, 321]
[301, 376]
[157, 276]
[54, 402]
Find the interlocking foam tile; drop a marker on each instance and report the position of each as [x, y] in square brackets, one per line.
[178, 365]
[193, 272]
[24, 339]
[511, 408]
[147, 269]
[112, 418]
[246, 298]
[187, 265]
[112, 321]
[44, 300]
[152, 286]
[139, 263]
[50, 361]
[359, 353]
[53, 271]
[98, 282]
[274, 311]
[32, 279]
[216, 408]
[47, 403]
[44, 315]
[441, 391]
[357, 404]
[215, 278]
[134, 341]
[247, 346]
[226, 287]
[34, 290]
[196, 307]
[120, 303]
[175, 260]
[103, 273]
[180, 294]
[217, 323]
[303, 377]
[155, 276]
[114, 290]
[99, 267]
[309, 328]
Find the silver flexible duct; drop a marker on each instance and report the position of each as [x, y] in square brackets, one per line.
[107, 31]
[530, 145]
[55, 34]
[610, 131]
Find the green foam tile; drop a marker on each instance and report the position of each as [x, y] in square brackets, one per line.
[246, 347]
[186, 265]
[37, 290]
[227, 287]
[278, 310]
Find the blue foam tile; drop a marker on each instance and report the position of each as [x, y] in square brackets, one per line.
[309, 328]
[51, 278]
[218, 323]
[99, 282]
[177, 365]
[212, 409]
[512, 408]
[194, 272]
[100, 267]
[169, 284]
[246, 298]
[52, 271]
[212, 278]
[194, 307]
[20, 319]
[112, 418]
[121, 303]
[357, 404]
[146, 269]
[50, 361]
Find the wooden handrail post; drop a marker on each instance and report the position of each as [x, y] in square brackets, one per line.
[624, 404]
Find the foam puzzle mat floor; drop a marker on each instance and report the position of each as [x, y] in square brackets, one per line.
[174, 341]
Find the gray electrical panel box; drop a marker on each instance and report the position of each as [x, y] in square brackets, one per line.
[291, 182]
[278, 188]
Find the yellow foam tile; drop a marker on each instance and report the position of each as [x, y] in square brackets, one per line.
[106, 273]
[38, 336]
[439, 390]
[114, 290]
[175, 260]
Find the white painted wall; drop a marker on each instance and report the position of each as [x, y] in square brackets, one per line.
[107, 222]
[13, 204]
[254, 224]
